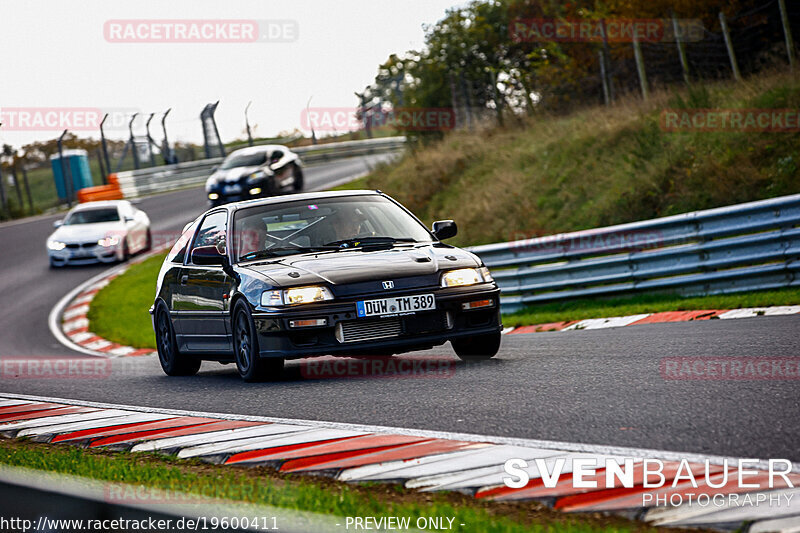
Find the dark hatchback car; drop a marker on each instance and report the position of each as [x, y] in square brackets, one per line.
[339, 273]
[255, 172]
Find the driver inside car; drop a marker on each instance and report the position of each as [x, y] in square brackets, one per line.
[343, 225]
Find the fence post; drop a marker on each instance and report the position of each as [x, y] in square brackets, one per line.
[787, 33]
[27, 188]
[603, 77]
[681, 50]
[150, 141]
[3, 199]
[133, 142]
[467, 101]
[729, 43]
[105, 150]
[607, 63]
[166, 151]
[637, 51]
[66, 172]
[99, 155]
[16, 183]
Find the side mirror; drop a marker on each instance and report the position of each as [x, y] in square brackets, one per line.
[58, 223]
[444, 229]
[128, 219]
[214, 168]
[207, 255]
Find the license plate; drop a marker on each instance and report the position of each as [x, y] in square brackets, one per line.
[396, 305]
[232, 189]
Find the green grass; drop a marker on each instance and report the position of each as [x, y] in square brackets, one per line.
[266, 487]
[356, 184]
[598, 166]
[595, 308]
[119, 311]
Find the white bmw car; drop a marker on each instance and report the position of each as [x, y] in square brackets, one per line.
[104, 232]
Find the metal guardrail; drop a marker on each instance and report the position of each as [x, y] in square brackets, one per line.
[743, 247]
[135, 183]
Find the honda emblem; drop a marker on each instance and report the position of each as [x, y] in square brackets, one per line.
[388, 285]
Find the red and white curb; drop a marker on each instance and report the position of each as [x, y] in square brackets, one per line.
[69, 324]
[654, 318]
[422, 460]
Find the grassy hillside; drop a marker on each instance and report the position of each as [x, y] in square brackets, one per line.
[598, 166]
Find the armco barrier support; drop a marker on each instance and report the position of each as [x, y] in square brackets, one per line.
[134, 183]
[737, 248]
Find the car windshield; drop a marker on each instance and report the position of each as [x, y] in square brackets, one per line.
[244, 160]
[92, 216]
[323, 224]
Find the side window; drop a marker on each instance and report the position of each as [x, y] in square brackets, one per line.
[178, 251]
[276, 156]
[212, 230]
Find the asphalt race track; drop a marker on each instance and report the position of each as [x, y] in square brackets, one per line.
[600, 387]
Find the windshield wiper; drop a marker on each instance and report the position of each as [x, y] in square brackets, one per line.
[358, 242]
[286, 250]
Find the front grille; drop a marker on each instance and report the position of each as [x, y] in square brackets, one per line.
[73, 246]
[368, 330]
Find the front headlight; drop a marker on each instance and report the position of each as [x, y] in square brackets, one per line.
[56, 245]
[463, 277]
[213, 196]
[109, 241]
[296, 295]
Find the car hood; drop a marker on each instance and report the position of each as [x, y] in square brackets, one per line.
[353, 266]
[87, 232]
[231, 175]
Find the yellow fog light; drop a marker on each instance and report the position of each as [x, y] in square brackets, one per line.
[254, 191]
[213, 196]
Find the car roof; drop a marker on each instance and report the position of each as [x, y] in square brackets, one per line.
[99, 204]
[258, 149]
[306, 196]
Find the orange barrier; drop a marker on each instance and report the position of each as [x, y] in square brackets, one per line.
[111, 191]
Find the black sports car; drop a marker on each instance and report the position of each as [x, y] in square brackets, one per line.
[255, 172]
[338, 273]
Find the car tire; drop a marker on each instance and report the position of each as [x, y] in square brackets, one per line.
[297, 185]
[148, 243]
[173, 363]
[478, 348]
[251, 367]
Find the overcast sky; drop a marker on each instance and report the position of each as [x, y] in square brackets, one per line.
[55, 55]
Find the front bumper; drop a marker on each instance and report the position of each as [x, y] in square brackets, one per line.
[401, 333]
[85, 255]
[236, 192]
